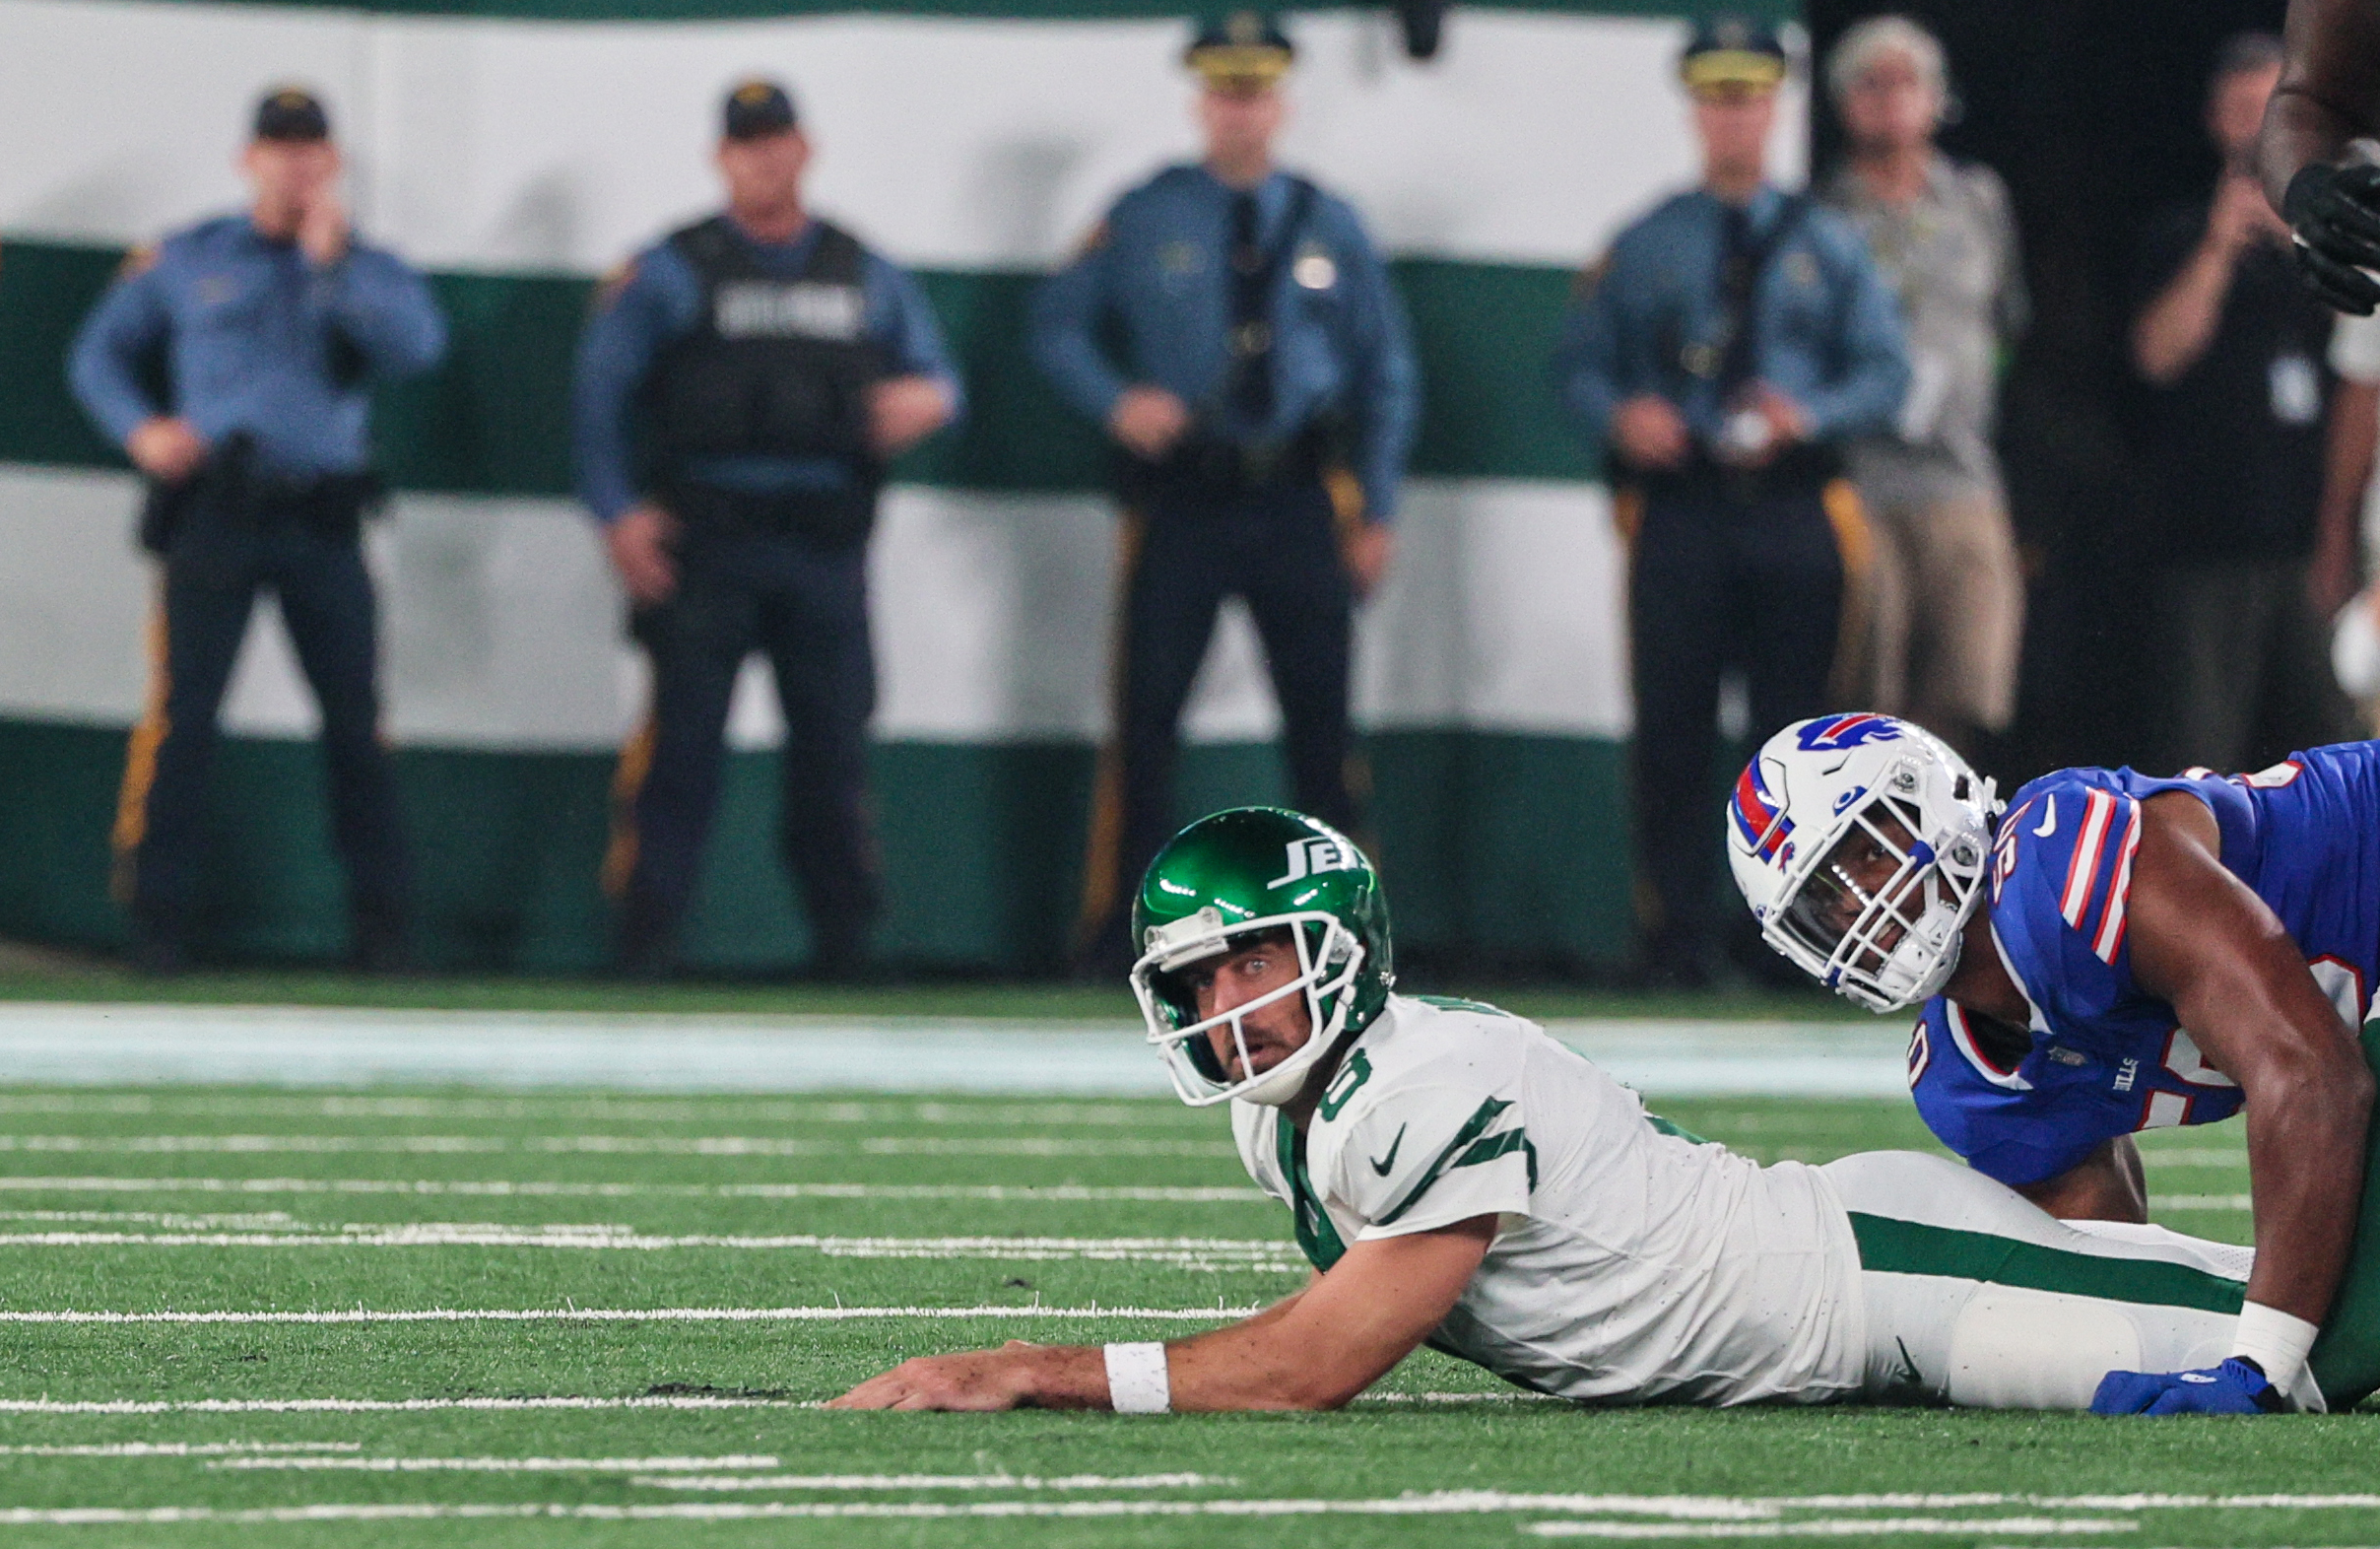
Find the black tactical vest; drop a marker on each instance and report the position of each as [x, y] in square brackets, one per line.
[774, 367]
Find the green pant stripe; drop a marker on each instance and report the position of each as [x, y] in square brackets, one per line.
[1910, 1248]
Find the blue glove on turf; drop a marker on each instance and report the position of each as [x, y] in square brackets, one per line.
[2236, 1388]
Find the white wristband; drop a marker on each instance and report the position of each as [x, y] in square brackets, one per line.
[1138, 1382]
[2276, 1340]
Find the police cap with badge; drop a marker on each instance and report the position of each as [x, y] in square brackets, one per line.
[1731, 55]
[292, 113]
[756, 109]
[1240, 54]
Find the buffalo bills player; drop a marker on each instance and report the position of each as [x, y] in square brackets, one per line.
[2062, 945]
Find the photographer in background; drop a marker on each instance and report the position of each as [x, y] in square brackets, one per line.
[2231, 349]
[274, 326]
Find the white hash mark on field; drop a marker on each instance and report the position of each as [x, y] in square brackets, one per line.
[2201, 1202]
[618, 1145]
[622, 1314]
[510, 1466]
[1205, 1255]
[540, 1188]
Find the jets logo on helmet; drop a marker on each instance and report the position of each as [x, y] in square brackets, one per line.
[1235, 880]
[1861, 844]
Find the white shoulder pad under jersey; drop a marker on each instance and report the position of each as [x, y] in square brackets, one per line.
[1632, 1263]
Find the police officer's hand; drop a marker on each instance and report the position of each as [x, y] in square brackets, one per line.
[2336, 212]
[903, 411]
[1787, 424]
[1650, 433]
[639, 542]
[322, 229]
[166, 448]
[1149, 421]
[1368, 551]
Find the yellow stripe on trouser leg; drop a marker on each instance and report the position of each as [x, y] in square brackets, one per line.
[1855, 545]
[1103, 847]
[627, 783]
[140, 759]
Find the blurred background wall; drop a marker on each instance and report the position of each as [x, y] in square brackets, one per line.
[520, 151]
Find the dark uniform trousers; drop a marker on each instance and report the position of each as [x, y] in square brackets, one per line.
[221, 555]
[1276, 546]
[1724, 575]
[805, 605]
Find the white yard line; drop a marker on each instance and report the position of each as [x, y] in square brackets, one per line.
[90, 1044]
[613, 1145]
[558, 1108]
[2202, 1202]
[539, 1188]
[2193, 1156]
[619, 1314]
[1203, 1254]
[514, 1466]
[1444, 1504]
[189, 1449]
[360, 1406]
[1837, 1527]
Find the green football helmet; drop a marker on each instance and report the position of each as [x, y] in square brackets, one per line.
[1229, 876]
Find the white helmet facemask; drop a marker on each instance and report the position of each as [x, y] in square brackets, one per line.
[1878, 918]
[1862, 845]
[1329, 956]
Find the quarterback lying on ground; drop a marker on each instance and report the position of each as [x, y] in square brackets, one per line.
[1458, 1177]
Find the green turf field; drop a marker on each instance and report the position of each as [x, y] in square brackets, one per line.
[637, 1299]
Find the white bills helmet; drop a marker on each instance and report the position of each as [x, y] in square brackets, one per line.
[1861, 844]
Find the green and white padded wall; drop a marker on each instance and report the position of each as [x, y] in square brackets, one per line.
[520, 149]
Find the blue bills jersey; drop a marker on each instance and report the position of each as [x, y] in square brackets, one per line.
[2103, 1057]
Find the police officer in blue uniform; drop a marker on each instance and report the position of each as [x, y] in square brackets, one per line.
[1731, 340]
[1235, 330]
[273, 326]
[740, 388]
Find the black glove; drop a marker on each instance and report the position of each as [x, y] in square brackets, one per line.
[2334, 212]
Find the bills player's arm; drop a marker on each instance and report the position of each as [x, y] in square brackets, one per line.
[2329, 95]
[2109, 1186]
[2205, 943]
[1314, 1350]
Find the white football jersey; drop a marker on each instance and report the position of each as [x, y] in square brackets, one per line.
[1631, 1266]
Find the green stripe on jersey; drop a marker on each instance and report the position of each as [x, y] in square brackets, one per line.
[1911, 1247]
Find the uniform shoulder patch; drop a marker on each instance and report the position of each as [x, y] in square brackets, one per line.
[138, 261]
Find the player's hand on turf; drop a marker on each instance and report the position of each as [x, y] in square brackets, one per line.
[2236, 1388]
[974, 1379]
[2334, 212]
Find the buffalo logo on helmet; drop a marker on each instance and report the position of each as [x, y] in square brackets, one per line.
[1848, 731]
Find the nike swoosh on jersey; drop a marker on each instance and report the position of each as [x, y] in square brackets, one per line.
[1381, 1165]
[2049, 819]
